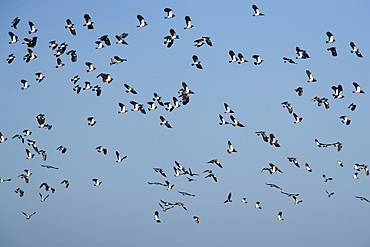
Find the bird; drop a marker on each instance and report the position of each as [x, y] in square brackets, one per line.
[91, 121]
[2, 180]
[89, 23]
[338, 92]
[244, 200]
[29, 155]
[169, 13]
[118, 60]
[256, 11]
[165, 209]
[296, 200]
[211, 175]
[297, 119]
[19, 137]
[215, 161]
[53, 45]
[30, 56]
[355, 175]
[288, 106]
[228, 198]
[274, 168]
[43, 153]
[222, 120]
[13, 38]
[156, 217]
[28, 216]
[15, 22]
[235, 122]
[196, 62]
[122, 108]
[43, 198]
[186, 193]
[241, 58]
[308, 168]
[77, 88]
[169, 186]
[47, 187]
[66, 183]
[99, 44]
[32, 27]
[97, 89]
[333, 51]
[233, 57]
[325, 178]
[355, 49]
[70, 26]
[119, 157]
[273, 141]
[330, 37]
[30, 42]
[340, 163]
[101, 149]
[273, 186]
[50, 167]
[188, 22]
[10, 58]
[173, 34]
[329, 194]
[357, 87]
[40, 77]
[87, 86]
[263, 134]
[301, 53]
[96, 182]
[196, 218]
[257, 205]
[362, 198]
[129, 89]
[299, 90]
[168, 41]
[73, 55]
[62, 149]
[160, 171]
[90, 66]
[105, 77]
[105, 39]
[231, 149]
[120, 39]
[227, 108]
[20, 191]
[59, 63]
[142, 22]
[310, 76]
[207, 40]
[280, 216]
[289, 60]
[258, 59]
[75, 79]
[345, 120]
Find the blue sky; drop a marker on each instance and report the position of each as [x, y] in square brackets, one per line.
[120, 212]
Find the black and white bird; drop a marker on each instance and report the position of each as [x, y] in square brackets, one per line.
[299, 90]
[53, 45]
[105, 39]
[96, 181]
[274, 141]
[164, 122]
[105, 77]
[288, 106]
[152, 106]
[173, 34]
[169, 185]
[129, 89]
[258, 59]
[32, 27]
[227, 108]
[362, 198]
[91, 121]
[186, 193]
[89, 23]
[122, 108]
[358, 88]
[355, 49]
[97, 89]
[241, 59]
[168, 41]
[30, 56]
[289, 60]
[231, 149]
[257, 205]
[156, 217]
[120, 39]
[207, 40]
[196, 218]
[160, 171]
[301, 53]
[15, 22]
[297, 119]
[99, 44]
[119, 157]
[47, 187]
[13, 38]
[308, 168]
[338, 92]
[142, 22]
[29, 154]
[59, 63]
[199, 42]
[10, 58]
[345, 120]
[73, 55]
[330, 37]
[50, 167]
[77, 89]
[75, 79]
[196, 62]
[228, 198]
[87, 86]
[310, 76]
[70, 26]
[2, 180]
[90, 67]
[280, 216]
[188, 22]
[222, 120]
[355, 175]
[62, 149]
[215, 161]
[42, 198]
[169, 13]
[235, 122]
[256, 11]
[326, 179]
[244, 200]
[30, 42]
[25, 84]
[40, 77]
[28, 216]
[352, 106]
[329, 193]
[101, 149]
[263, 135]
[294, 160]
[296, 201]
[273, 186]
[66, 183]
[117, 60]
[20, 191]
[233, 56]
[333, 51]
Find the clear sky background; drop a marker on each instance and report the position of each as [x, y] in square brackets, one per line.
[120, 212]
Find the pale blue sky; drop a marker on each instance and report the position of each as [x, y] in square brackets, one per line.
[120, 212]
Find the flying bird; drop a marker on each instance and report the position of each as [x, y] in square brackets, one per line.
[241, 58]
[231, 149]
[13, 38]
[28, 216]
[70, 26]
[258, 59]
[235, 122]
[333, 51]
[357, 87]
[288, 60]
[169, 13]
[188, 22]
[228, 198]
[196, 62]
[299, 90]
[256, 11]
[326, 179]
[96, 182]
[32, 27]
[330, 37]
[156, 217]
[89, 23]
[310, 76]
[233, 57]
[10, 58]
[355, 50]
[119, 157]
[301, 53]
[297, 119]
[345, 120]
[142, 22]
[280, 216]
[101, 149]
[227, 108]
[129, 89]
[15, 22]
[90, 67]
[122, 108]
[329, 194]
[59, 63]
[91, 121]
